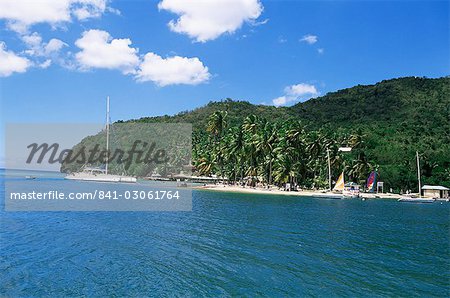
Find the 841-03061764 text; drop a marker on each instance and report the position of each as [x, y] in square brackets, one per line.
[98, 195]
[139, 195]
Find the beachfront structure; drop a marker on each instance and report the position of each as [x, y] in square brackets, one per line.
[435, 191]
[199, 179]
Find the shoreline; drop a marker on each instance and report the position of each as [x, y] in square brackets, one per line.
[303, 193]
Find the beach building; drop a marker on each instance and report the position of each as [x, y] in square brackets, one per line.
[435, 191]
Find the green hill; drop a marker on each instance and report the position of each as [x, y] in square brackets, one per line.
[237, 111]
[390, 121]
[409, 100]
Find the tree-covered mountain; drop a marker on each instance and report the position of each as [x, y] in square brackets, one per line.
[237, 111]
[409, 100]
[386, 123]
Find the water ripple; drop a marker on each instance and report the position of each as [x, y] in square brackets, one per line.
[230, 245]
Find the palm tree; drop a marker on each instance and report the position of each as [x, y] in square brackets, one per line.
[235, 150]
[356, 141]
[205, 164]
[250, 128]
[217, 122]
[251, 124]
[278, 152]
[360, 167]
[265, 141]
[283, 169]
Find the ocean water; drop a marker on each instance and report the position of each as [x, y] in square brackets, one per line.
[229, 245]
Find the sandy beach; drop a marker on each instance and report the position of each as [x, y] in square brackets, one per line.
[302, 193]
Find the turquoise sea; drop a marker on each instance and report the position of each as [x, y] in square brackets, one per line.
[229, 245]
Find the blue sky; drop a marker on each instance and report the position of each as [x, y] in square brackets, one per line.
[285, 51]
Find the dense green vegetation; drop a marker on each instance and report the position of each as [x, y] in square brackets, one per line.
[155, 147]
[276, 152]
[385, 124]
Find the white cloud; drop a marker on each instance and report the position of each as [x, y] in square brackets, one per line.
[54, 46]
[10, 62]
[296, 92]
[32, 40]
[45, 64]
[321, 51]
[113, 11]
[21, 14]
[280, 101]
[100, 50]
[309, 39]
[37, 48]
[301, 89]
[173, 70]
[205, 20]
[86, 9]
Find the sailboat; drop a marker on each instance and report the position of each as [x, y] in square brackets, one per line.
[348, 190]
[101, 174]
[339, 186]
[336, 192]
[371, 182]
[419, 199]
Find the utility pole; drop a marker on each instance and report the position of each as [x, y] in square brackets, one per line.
[329, 169]
[418, 174]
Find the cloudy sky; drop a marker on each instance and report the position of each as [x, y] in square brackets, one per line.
[59, 59]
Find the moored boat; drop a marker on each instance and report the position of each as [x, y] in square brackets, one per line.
[351, 191]
[336, 192]
[412, 198]
[371, 182]
[339, 186]
[99, 174]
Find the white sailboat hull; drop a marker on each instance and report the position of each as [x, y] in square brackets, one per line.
[100, 177]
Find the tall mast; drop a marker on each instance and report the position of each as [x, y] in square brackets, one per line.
[107, 134]
[418, 174]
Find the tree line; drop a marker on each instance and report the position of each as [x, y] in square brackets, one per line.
[275, 153]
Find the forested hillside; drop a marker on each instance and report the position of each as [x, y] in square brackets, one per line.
[385, 123]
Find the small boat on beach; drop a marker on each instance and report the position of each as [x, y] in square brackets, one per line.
[336, 192]
[339, 186]
[371, 182]
[342, 190]
[351, 191]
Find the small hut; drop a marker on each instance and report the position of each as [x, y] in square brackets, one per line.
[435, 191]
